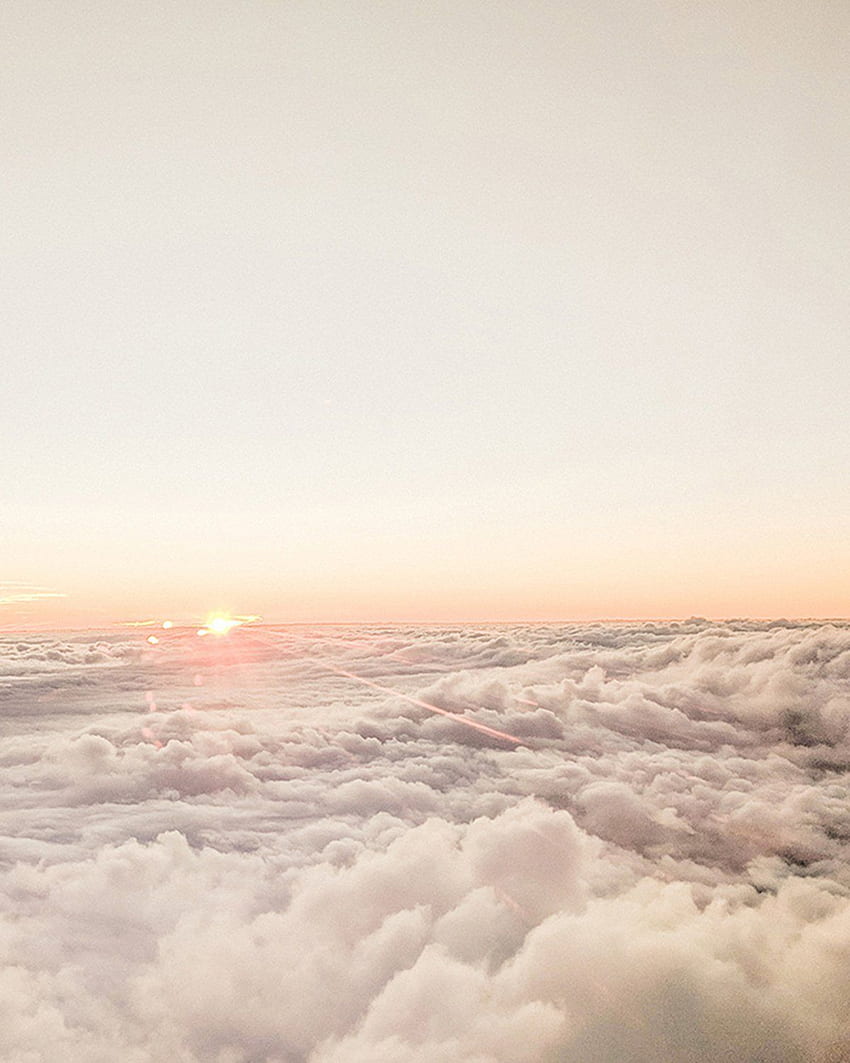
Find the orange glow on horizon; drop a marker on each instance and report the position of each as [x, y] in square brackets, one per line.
[717, 595]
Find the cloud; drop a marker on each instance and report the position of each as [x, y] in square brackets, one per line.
[15, 592]
[227, 850]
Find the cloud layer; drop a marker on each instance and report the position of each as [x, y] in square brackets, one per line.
[238, 850]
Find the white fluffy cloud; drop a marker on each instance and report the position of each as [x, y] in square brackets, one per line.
[229, 851]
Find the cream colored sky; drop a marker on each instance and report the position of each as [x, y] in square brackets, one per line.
[424, 310]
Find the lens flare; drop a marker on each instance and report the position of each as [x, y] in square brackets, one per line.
[222, 624]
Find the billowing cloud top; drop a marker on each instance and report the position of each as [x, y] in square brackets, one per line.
[268, 847]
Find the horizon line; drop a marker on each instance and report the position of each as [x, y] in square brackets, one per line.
[179, 625]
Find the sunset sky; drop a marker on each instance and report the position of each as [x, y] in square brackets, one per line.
[424, 311]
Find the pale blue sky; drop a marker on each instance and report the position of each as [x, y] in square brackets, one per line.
[426, 309]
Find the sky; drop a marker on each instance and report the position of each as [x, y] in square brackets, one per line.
[423, 310]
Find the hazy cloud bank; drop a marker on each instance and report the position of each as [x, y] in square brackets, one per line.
[229, 850]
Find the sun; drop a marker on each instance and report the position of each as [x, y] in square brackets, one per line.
[224, 623]
[219, 624]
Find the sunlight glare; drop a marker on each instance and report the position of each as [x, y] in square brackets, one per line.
[220, 624]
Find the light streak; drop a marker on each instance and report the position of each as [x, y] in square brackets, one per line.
[482, 727]
[493, 732]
